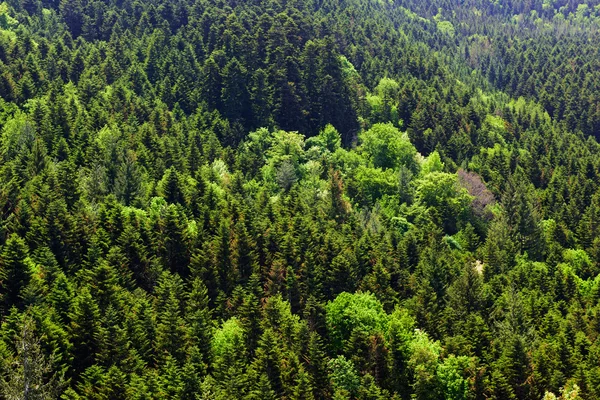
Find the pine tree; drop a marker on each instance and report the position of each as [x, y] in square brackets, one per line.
[261, 97]
[140, 325]
[153, 63]
[85, 330]
[212, 84]
[499, 248]
[250, 313]
[193, 371]
[171, 187]
[135, 252]
[222, 257]
[235, 96]
[286, 175]
[38, 158]
[229, 353]
[114, 349]
[588, 226]
[316, 366]
[267, 360]
[262, 389]
[175, 241]
[522, 217]
[466, 293]
[26, 88]
[128, 180]
[243, 255]
[170, 381]
[103, 284]
[61, 297]
[15, 272]
[199, 317]
[115, 384]
[171, 330]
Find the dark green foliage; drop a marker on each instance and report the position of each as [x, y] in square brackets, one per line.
[85, 330]
[15, 272]
[300, 200]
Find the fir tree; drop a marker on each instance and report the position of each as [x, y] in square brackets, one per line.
[15, 272]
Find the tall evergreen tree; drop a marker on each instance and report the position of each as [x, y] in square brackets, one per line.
[15, 272]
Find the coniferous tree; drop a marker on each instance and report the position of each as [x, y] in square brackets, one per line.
[301, 200]
[15, 272]
[85, 331]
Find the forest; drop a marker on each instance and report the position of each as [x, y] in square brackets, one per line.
[299, 199]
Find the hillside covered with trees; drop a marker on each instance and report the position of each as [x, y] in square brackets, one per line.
[299, 199]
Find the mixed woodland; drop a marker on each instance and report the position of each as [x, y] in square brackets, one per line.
[299, 199]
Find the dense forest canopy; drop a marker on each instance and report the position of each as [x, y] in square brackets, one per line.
[320, 199]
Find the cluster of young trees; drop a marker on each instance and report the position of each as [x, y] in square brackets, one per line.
[298, 200]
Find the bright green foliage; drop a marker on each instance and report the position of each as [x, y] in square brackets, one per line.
[228, 342]
[451, 374]
[386, 147]
[344, 378]
[303, 390]
[446, 27]
[327, 140]
[371, 184]
[300, 199]
[229, 352]
[432, 163]
[384, 102]
[354, 312]
[446, 202]
[580, 261]
[424, 362]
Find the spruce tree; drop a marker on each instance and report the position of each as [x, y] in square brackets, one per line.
[15, 273]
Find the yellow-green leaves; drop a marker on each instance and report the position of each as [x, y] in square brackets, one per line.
[386, 147]
[228, 342]
[358, 311]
